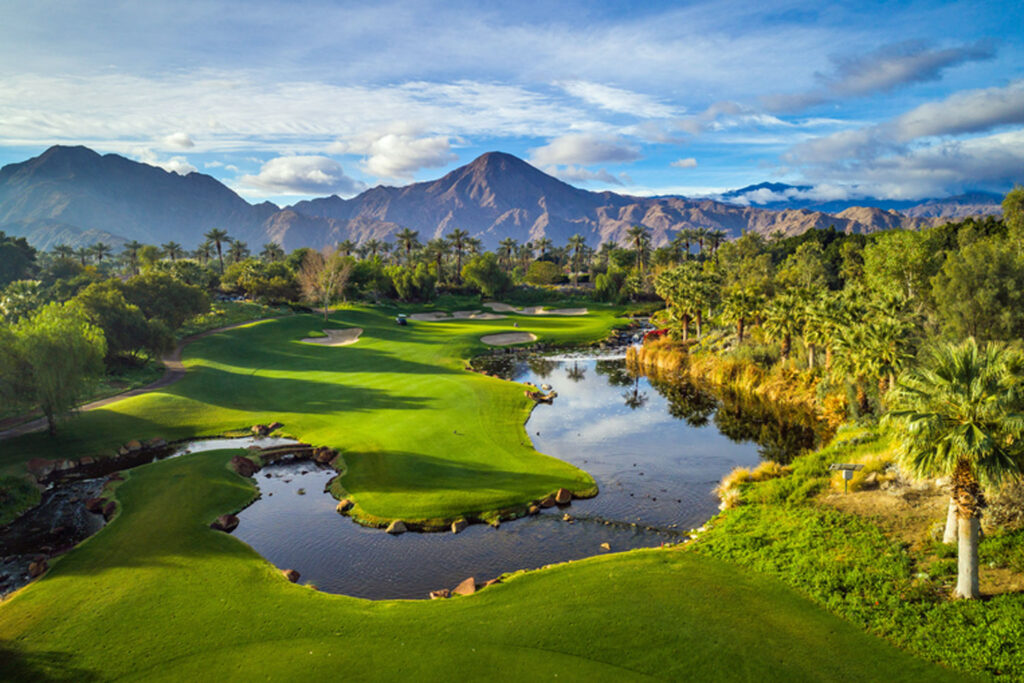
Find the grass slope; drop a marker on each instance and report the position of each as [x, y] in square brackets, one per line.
[422, 438]
[158, 595]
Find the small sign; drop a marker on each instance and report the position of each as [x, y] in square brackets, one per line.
[847, 469]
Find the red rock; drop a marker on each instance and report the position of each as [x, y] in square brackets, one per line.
[492, 582]
[291, 575]
[37, 568]
[40, 468]
[563, 496]
[274, 426]
[467, 587]
[548, 502]
[244, 466]
[227, 523]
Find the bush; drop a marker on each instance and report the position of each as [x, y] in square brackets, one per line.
[544, 273]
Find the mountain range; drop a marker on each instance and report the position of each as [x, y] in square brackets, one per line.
[76, 196]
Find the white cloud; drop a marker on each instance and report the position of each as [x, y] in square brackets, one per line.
[302, 175]
[175, 164]
[584, 148]
[578, 174]
[688, 162]
[397, 154]
[179, 140]
[618, 100]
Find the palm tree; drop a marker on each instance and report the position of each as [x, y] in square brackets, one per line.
[371, 248]
[577, 243]
[639, 239]
[715, 239]
[346, 247]
[272, 252]
[63, 251]
[100, 250]
[524, 254]
[458, 241]
[436, 250]
[506, 250]
[131, 250]
[783, 318]
[203, 252]
[83, 253]
[739, 307]
[960, 416]
[542, 245]
[682, 240]
[408, 239]
[700, 234]
[218, 237]
[239, 251]
[172, 250]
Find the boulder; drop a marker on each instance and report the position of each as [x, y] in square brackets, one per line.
[227, 523]
[440, 594]
[458, 525]
[467, 587]
[493, 581]
[109, 509]
[343, 505]
[274, 426]
[871, 481]
[324, 455]
[260, 430]
[40, 468]
[563, 496]
[396, 527]
[606, 546]
[94, 505]
[291, 575]
[244, 466]
[548, 502]
[533, 510]
[566, 517]
[86, 460]
[37, 568]
[133, 445]
[156, 442]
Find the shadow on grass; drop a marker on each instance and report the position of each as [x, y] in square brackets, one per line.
[16, 665]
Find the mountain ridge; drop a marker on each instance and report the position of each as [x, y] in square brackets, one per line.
[74, 193]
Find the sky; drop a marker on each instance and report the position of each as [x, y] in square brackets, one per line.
[283, 101]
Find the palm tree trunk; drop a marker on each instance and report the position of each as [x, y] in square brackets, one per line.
[828, 357]
[698, 320]
[739, 331]
[949, 534]
[786, 342]
[967, 559]
[810, 356]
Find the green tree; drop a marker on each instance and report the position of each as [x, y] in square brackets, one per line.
[506, 253]
[460, 245]
[63, 251]
[485, 274]
[784, 319]
[639, 239]
[688, 290]
[63, 352]
[739, 307]
[172, 250]
[543, 245]
[218, 237]
[238, 251]
[1013, 215]
[20, 298]
[960, 416]
[323, 276]
[544, 273]
[131, 252]
[804, 269]
[124, 326]
[101, 250]
[272, 252]
[408, 239]
[17, 259]
[165, 298]
[204, 251]
[577, 243]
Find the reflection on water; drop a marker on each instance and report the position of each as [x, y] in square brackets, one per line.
[656, 450]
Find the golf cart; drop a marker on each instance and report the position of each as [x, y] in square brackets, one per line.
[402, 319]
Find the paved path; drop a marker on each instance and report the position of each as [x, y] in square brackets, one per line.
[173, 371]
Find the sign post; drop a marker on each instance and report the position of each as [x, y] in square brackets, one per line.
[847, 469]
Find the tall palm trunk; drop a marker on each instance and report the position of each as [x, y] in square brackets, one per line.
[787, 341]
[739, 330]
[949, 533]
[699, 321]
[969, 501]
[810, 356]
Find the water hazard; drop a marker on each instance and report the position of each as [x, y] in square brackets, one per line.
[656, 451]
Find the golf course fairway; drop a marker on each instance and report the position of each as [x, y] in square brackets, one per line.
[158, 595]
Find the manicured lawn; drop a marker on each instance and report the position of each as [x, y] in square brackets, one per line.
[158, 595]
[422, 438]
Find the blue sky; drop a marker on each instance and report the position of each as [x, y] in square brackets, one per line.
[284, 100]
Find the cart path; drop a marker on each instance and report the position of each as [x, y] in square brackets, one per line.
[174, 370]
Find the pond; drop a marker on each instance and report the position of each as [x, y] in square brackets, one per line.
[656, 451]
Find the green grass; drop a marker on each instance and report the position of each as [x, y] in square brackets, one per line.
[157, 595]
[224, 313]
[423, 439]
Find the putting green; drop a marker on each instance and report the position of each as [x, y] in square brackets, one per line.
[423, 439]
[157, 595]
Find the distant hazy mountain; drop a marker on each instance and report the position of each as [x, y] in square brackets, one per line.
[74, 195]
[780, 196]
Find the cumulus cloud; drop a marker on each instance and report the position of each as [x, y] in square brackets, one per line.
[179, 140]
[818, 193]
[175, 164]
[584, 148]
[617, 100]
[398, 153]
[579, 174]
[688, 162]
[884, 70]
[302, 175]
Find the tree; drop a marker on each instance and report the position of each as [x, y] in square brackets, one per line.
[484, 273]
[17, 259]
[542, 245]
[83, 254]
[272, 252]
[437, 250]
[238, 251]
[804, 269]
[20, 298]
[63, 352]
[408, 239]
[639, 239]
[688, 290]
[1013, 215]
[172, 250]
[203, 252]
[739, 307]
[218, 237]
[960, 416]
[124, 326]
[372, 247]
[161, 296]
[506, 252]
[346, 247]
[101, 251]
[577, 243]
[544, 273]
[458, 239]
[783, 319]
[131, 251]
[323, 276]
[63, 251]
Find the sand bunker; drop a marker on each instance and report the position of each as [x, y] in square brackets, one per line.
[533, 310]
[506, 338]
[436, 316]
[344, 337]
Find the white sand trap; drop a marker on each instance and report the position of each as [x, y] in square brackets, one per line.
[533, 310]
[506, 338]
[337, 337]
[437, 316]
